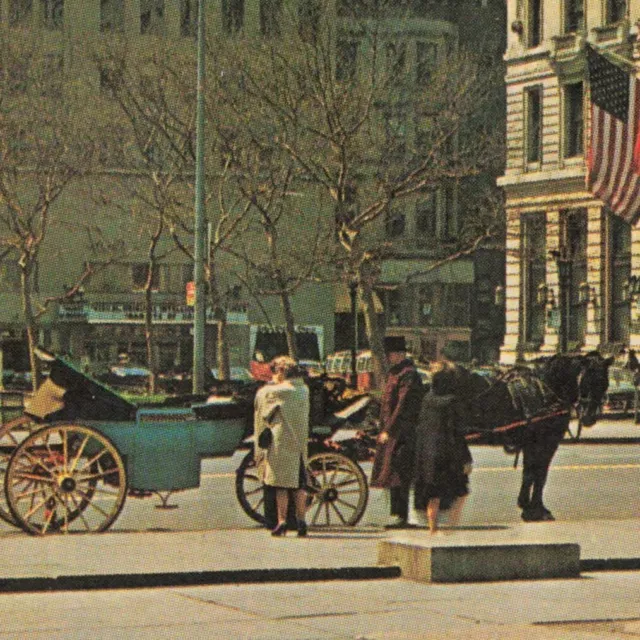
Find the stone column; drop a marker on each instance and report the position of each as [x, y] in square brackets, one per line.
[551, 333]
[510, 350]
[595, 277]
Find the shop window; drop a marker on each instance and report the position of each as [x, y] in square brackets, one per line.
[616, 10]
[20, 12]
[188, 18]
[533, 110]
[574, 241]
[534, 250]
[457, 305]
[393, 308]
[346, 60]
[426, 305]
[152, 17]
[232, 16]
[270, 17]
[53, 14]
[573, 120]
[534, 19]
[620, 270]
[112, 16]
[574, 16]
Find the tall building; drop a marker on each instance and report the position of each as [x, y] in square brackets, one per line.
[571, 263]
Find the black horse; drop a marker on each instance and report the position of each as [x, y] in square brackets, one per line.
[528, 410]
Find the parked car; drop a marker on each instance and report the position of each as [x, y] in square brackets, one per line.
[236, 373]
[620, 400]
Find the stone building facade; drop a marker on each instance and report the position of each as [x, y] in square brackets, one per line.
[569, 261]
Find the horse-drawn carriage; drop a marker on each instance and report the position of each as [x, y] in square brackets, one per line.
[69, 462]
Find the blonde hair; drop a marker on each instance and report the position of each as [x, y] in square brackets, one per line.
[286, 366]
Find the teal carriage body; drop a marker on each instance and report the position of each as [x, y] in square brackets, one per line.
[80, 448]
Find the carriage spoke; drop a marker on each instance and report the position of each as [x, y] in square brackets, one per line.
[79, 453]
[338, 513]
[347, 504]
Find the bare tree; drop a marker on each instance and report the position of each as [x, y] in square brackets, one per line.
[343, 119]
[43, 151]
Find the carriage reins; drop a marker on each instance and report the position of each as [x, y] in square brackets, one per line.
[518, 423]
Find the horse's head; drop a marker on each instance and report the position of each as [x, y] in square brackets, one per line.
[592, 383]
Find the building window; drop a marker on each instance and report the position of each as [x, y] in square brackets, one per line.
[112, 16]
[534, 250]
[426, 57]
[573, 120]
[534, 18]
[395, 129]
[53, 75]
[395, 223]
[427, 217]
[110, 81]
[620, 270]
[574, 16]
[426, 305]
[574, 241]
[457, 305]
[139, 274]
[188, 18]
[616, 10]
[270, 17]
[346, 60]
[450, 214]
[52, 14]
[233, 15]
[309, 14]
[152, 17]
[396, 55]
[20, 12]
[533, 110]
[394, 310]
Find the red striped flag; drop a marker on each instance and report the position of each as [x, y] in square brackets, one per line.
[613, 160]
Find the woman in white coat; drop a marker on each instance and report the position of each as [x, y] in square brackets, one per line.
[283, 407]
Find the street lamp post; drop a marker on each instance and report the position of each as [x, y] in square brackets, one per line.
[353, 293]
[563, 262]
[199, 320]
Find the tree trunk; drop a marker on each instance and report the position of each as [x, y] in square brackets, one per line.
[30, 324]
[289, 323]
[222, 349]
[373, 334]
[149, 333]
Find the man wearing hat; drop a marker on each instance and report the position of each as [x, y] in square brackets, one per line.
[399, 411]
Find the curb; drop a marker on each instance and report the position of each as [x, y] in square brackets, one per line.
[602, 440]
[610, 564]
[193, 578]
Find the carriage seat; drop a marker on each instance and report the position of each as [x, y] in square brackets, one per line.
[529, 394]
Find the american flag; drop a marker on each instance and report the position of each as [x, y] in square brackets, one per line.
[613, 159]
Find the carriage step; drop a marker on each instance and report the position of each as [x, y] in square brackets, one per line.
[427, 561]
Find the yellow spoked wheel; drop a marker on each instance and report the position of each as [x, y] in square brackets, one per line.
[12, 433]
[338, 491]
[65, 478]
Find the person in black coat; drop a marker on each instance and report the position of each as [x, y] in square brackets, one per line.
[442, 457]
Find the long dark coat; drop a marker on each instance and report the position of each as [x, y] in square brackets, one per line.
[403, 392]
[441, 451]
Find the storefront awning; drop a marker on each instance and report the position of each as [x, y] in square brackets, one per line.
[343, 300]
[460, 271]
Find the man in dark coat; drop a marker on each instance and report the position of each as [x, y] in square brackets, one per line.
[400, 407]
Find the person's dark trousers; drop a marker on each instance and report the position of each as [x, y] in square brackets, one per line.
[400, 501]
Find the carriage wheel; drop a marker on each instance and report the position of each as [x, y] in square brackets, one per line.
[338, 490]
[65, 478]
[12, 434]
[249, 489]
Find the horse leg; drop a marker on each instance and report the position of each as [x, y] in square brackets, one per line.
[541, 449]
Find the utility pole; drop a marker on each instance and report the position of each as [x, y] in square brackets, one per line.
[199, 319]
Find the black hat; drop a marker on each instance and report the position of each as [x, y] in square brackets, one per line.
[394, 343]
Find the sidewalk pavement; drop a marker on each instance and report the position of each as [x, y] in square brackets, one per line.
[244, 584]
[121, 560]
[607, 431]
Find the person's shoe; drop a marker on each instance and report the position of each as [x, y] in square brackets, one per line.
[396, 522]
[280, 530]
[302, 529]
